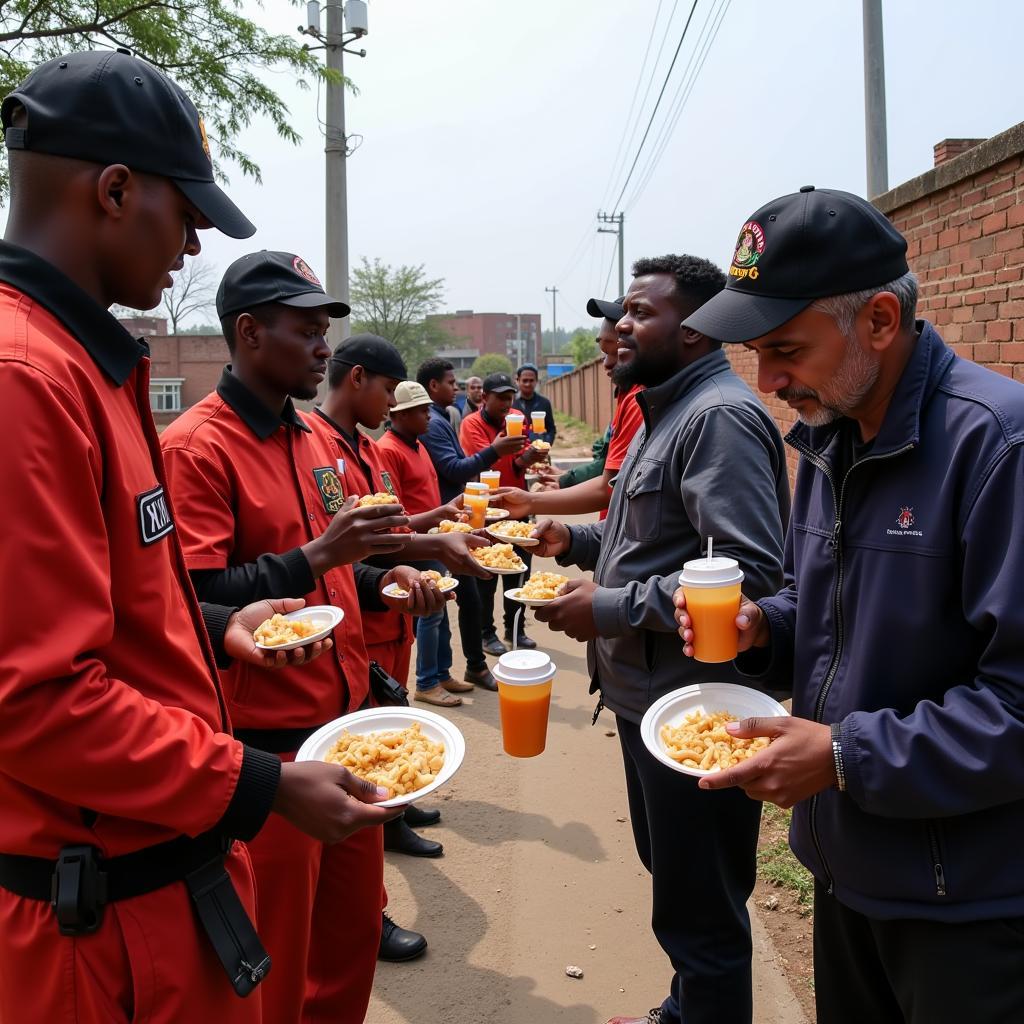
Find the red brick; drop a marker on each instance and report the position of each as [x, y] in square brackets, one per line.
[996, 262]
[1012, 310]
[991, 224]
[994, 294]
[948, 207]
[1015, 291]
[1006, 371]
[974, 299]
[1008, 275]
[968, 232]
[984, 280]
[998, 330]
[1015, 215]
[972, 266]
[999, 187]
[958, 218]
[1018, 372]
[938, 316]
[910, 222]
[954, 300]
[982, 210]
[950, 236]
[946, 286]
[986, 311]
[1012, 352]
[983, 177]
[1005, 201]
[940, 258]
[983, 246]
[1010, 240]
[965, 351]
[963, 314]
[930, 242]
[953, 333]
[983, 350]
[970, 198]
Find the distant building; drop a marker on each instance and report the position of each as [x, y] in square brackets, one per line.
[515, 335]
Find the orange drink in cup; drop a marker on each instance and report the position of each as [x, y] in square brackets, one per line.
[539, 422]
[491, 477]
[524, 695]
[474, 501]
[711, 587]
[514, 424]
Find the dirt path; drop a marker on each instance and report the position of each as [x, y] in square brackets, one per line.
[539, 867]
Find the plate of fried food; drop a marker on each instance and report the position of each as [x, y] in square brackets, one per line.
[407, 751]
[444, 583]
[494, 514]
[541, 446]
[380, 498]
[685, 729]
[451, 526]
[514, 532]
[540, 589]
[298, 628]
[500, 559]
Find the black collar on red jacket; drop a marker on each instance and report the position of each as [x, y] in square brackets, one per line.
[259, 418]
[352, 440]
[413, 444]
[111, 347]
[489, 420]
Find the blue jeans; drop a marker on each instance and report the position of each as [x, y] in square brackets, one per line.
[433, 650]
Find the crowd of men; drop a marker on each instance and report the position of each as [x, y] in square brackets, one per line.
[165, 857]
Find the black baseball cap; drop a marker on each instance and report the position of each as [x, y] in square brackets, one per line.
[373, 353]
[498, 382]
[267, 276]
[109, 107]
[606, 308]
[809, 245]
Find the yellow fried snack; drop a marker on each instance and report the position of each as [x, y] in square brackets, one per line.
[700, 741]
[442, 582]
[278, 630]
[541, 446]
[513, 529]
[380, 498]
[498, 556]
[450, 526]
[403, 761]
[543, 586]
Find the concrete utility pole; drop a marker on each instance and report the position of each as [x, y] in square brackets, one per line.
[874, 100]
[336, 150]
[554, 321]
[617, 219]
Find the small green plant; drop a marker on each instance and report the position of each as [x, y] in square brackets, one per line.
[777, 866]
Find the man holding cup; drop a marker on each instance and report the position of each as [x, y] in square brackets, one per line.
[900, 626]
[709, 461]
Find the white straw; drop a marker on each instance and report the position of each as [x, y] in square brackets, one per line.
[711, 541]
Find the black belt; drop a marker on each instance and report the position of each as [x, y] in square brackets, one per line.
[81, 882]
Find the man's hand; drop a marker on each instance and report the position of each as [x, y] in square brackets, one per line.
[516, 500]
[751, 622]
[428, 520]
[328, 802]
[356, 533]
[240, 645]
[505, 445]
[797, 764]
[455, 551]
[531, 456]
[573, 612]
[549, 478]
[424, 598]
[554, 538]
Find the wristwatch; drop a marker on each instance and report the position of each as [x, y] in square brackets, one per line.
[837, 757]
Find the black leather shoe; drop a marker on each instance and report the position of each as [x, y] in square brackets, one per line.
[399, 838]
[481, 678]
[524, 642]
[415, 818]
[492, 645]
[398, 944]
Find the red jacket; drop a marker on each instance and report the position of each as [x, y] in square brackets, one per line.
[113, 731]
[412, 469]
[476, 434]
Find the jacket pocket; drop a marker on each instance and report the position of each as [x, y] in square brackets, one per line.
[642, 521]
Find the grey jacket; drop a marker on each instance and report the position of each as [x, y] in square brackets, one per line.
[708, 462]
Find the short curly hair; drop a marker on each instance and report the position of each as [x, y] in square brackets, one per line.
[697, 279]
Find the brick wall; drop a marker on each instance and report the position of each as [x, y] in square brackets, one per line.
[584, 393]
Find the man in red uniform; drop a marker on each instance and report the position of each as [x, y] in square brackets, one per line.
[477, 433]
[408, 462]
[260, 514]
[122, 894]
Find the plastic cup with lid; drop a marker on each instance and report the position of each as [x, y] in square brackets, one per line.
[712, 589]
[524, 695]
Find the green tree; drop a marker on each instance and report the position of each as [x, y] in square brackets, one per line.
[397, 303]
[219, 56]
[583, 347]
[490, 362]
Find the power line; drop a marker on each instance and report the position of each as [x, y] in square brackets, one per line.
[657, 103]
[679, 101]
[629, 126]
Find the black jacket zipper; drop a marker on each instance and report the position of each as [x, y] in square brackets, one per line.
[837, 606]
[933, 848]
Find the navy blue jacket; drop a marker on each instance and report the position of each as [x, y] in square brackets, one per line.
[453, 466]
[538, 403]
[903, 620]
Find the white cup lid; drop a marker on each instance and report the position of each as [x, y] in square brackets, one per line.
[491, 472]
[477, 488]
[514, 416]
[521, 668]
[710, 572]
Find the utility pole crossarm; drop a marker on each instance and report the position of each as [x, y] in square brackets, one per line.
[554, 322]
[616, 219]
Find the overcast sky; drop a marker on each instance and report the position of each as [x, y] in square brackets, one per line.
[491, 130]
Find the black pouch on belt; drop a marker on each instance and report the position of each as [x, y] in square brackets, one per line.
[386, 689]
[228, 927]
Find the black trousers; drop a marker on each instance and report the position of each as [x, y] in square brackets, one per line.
[488, 590]
[915, 972]
[470, 625]
[700, 848]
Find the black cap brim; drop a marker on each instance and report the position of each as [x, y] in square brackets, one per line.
[498, 390]
[317, 300]
[213, 203]
[606, 309]
[734, 316]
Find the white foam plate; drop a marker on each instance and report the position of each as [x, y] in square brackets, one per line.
[504, 572]
[741, 701]
[372, 720]
[494, 514]
[530, 602]
[523, 542]
[325, 616]
[448, 583]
